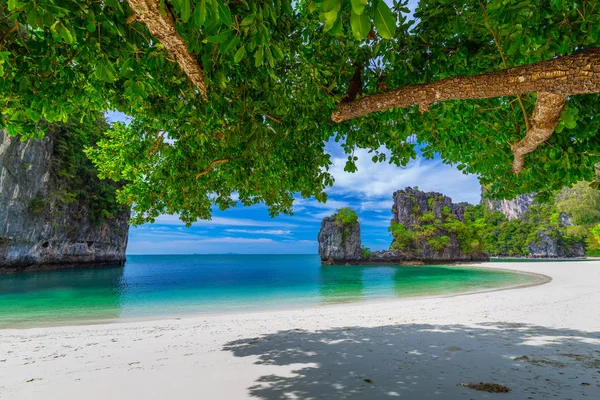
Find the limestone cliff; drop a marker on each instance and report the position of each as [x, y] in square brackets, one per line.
[47, 218]
[425, 228]
[544, 239]
[338, 243]
[512, 209]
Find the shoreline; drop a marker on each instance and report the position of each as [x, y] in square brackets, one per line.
[541, 341]
[539, 279]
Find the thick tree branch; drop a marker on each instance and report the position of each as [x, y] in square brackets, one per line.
[569, 75]
[211, 166]
[544, 119]
[162, 26]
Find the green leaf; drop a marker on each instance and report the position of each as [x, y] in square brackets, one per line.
[385, 20]
[259, 56]
[358, 6]
[221, 37]
[361, 25]
[105, 70]
[200, 14]
[226, 47]
[337, 28]
[248, 20]
[186, 10]
[329, 5]
[223, 12]
[239, 54]
[328, 18]
[66, 34]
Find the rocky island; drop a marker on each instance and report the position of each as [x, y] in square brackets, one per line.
[426, 228]
[54, 211]
[430, 228]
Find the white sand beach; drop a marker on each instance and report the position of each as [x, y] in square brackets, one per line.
[542, 342]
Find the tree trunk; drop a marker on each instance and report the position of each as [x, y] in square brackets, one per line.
[543, 121]
[569, 75]
[162, 27]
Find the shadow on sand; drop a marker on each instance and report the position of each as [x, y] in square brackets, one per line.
[426, 361]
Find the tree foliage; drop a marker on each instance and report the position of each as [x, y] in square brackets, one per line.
[346, 217]
[274, 71]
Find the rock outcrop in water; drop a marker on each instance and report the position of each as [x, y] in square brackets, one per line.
[425, 226]
[339, 243]
[46, 220]
[423, 230]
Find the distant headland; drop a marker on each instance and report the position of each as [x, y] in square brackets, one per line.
[428, 228]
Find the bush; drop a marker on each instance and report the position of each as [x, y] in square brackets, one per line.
[366, 252]
[402, 236]
[37, 205]
[427, 218]
[346, 217]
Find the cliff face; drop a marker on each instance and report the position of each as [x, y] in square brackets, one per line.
[430, 235]
[512, 209]
[42, 225]
[339, 244]
[548, 242]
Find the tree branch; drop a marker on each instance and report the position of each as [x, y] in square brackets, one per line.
[162, 27]
[577, 73]
[211, 166]
[544, 119]
[272, 118]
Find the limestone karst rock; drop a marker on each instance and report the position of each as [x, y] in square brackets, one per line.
[41, 225]
[339, 244]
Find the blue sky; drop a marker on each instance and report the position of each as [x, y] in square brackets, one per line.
[250, 230]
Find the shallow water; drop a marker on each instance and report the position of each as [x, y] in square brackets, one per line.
[174, 286]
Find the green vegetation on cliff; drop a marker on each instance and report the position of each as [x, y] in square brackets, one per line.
[436, 231]
[76, 177]
[345, 218]
[569, 222]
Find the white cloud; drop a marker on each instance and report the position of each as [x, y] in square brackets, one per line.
[260, 231]
[377, 206]
[222, 221]
[222, 245]
[373, 181]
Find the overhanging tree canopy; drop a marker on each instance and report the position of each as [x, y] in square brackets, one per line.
[236, 96]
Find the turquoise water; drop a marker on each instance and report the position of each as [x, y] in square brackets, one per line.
[175, 286]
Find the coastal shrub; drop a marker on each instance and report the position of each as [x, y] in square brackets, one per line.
[446, 211]
[439, 243]
[430, 203]
[37, 205]
[346, 217]
[596, 233]
[366, 252]
[402, 236]
[427, 218]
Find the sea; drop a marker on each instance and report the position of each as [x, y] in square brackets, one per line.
[176, 286]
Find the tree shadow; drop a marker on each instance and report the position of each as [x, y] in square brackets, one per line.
[425, 361]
